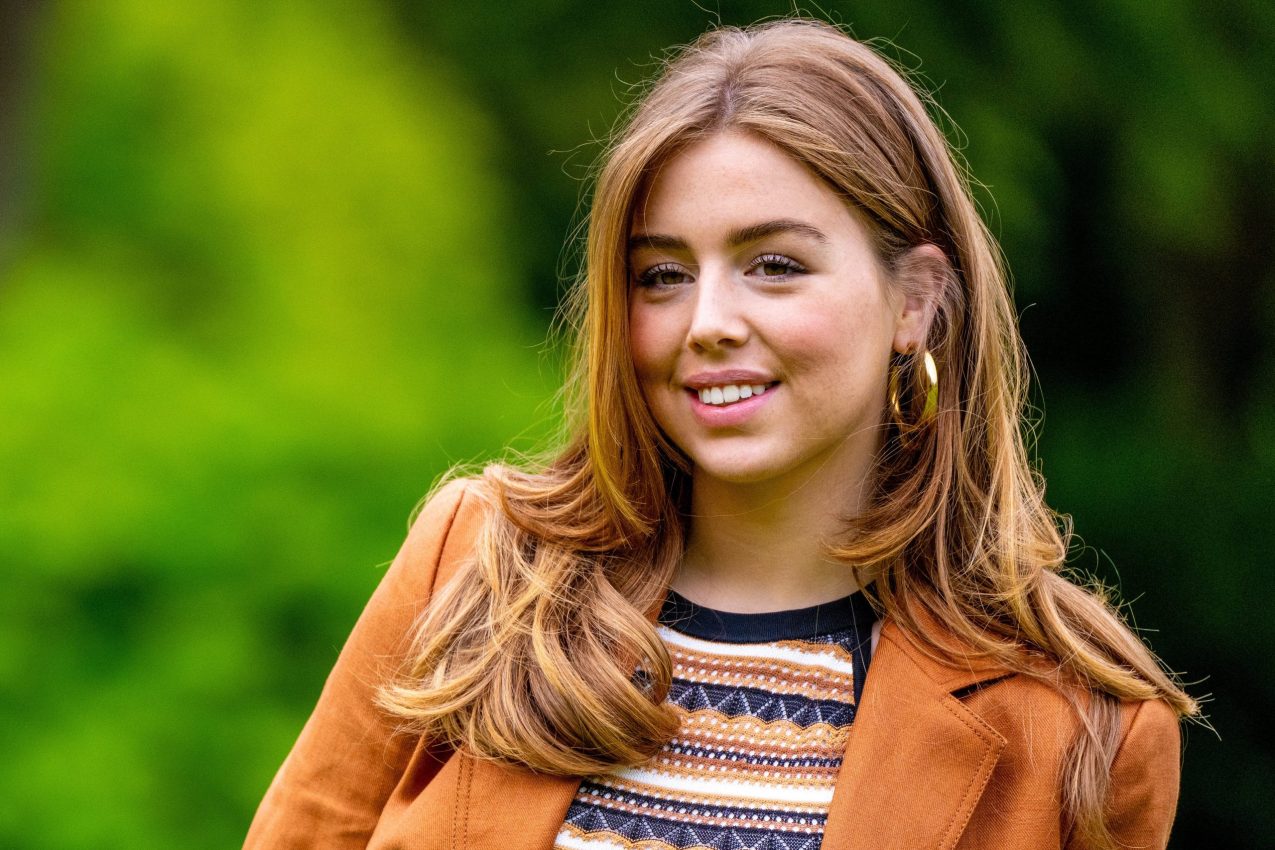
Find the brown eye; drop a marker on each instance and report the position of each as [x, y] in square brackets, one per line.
[776, 267]
[663, 275]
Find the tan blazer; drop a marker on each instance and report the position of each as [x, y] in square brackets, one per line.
[938, 756]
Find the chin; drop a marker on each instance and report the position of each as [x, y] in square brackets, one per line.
[738, 472]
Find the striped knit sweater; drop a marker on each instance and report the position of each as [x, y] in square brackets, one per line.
[766, 702]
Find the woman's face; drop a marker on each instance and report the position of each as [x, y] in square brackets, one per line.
[761, 320]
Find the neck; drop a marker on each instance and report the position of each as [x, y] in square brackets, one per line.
[761, 547]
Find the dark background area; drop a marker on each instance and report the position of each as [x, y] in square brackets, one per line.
[265, 272]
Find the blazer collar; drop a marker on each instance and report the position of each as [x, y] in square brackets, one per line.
[918, 759]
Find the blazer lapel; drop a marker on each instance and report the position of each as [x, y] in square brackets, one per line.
[918, 758]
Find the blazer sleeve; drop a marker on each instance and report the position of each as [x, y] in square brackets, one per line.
[1145, 776]
[331, 788]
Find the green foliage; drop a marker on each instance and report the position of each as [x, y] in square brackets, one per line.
[266, 299]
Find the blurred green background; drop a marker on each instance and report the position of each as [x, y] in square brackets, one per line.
[266, 270]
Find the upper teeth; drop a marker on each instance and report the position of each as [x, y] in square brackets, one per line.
[730, 393]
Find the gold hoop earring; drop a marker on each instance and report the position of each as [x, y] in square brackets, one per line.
[930, 392]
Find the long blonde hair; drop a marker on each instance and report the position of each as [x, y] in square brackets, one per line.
[529, 657]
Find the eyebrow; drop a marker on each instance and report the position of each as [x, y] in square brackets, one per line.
[742, 236]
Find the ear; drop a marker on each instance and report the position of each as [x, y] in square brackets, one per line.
[922, 277]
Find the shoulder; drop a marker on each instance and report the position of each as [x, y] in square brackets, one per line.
[1149, 723]
[1030, 707]
[442, 535]
[1145, 773]
[1023, 707]
[1039, 716]
[1040, 722]
[454, 507]
[445, 528]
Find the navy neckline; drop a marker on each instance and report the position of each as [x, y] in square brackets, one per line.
[853, 613]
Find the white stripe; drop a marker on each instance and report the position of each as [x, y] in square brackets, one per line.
[757, 650]
[570, 841]
[763, 792]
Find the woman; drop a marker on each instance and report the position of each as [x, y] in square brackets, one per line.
[791, 581]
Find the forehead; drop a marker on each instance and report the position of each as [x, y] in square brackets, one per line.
[731, 180]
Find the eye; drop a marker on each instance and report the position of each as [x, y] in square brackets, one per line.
[776, 267]
[663, 275]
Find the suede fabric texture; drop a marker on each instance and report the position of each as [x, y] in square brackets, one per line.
[940, 756]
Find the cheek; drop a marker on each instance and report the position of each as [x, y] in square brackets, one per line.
[652, 342]
[838, 343]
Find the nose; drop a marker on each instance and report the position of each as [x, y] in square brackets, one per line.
[717, 320]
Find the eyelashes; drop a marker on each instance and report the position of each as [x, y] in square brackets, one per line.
[662, 275]
[770, 267]
[767, 263]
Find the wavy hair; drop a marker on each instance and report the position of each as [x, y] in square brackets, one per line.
[529, 656]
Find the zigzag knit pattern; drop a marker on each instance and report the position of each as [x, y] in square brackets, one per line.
[766, 702]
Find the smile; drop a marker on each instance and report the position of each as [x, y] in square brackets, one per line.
[730, 393]
[729, 405]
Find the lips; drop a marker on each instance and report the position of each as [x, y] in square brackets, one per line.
[727, 377]
[730, 393]
[724, 414]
